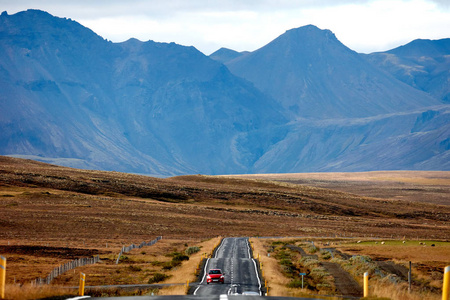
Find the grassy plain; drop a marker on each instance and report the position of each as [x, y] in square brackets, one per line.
[386, 263]
[52, 215]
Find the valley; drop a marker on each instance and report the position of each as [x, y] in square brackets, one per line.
[304, 102]
[53, 214]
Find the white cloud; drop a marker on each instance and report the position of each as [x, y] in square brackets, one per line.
[384, 24]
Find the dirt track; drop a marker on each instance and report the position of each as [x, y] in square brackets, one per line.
[393, 268]
[344, 282]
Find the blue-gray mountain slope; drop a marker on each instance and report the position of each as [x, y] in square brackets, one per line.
[313, 75]
[149, 107]
[224, 55]
[415, 140]
[422, 64]
[347, 115]
[72, 98]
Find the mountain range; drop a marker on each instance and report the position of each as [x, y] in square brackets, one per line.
[305, 102]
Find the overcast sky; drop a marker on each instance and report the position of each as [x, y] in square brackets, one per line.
[364, 26]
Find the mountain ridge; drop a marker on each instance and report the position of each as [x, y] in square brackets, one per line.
[422, 64]
[310, 67]
[138, 100]
[73, 98]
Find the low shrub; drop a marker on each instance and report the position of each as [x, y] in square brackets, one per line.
[326, 255]
[169, 265]
[124, 258]
[312, 249]
[157, 277]
[309, 262]
[282, 254]
[192, 250]
[134, 268]
[180, 257]
[296, 284]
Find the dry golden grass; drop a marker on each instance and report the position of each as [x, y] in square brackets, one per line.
[29, 292]
[398, 292]
[397, 250]
[187, 271]
[426, 285]
[404, 185]
[173, 290]
[419, 177]
[272, 272]
[59, 208]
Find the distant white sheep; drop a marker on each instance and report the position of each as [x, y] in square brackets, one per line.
[382, 243]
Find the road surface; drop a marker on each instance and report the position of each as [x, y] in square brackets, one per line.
[234, 257]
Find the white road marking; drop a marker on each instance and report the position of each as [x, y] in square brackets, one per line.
[204, 276]
[256, 268]
[224, 296]
[256, 272]
[248, 249]
[220, 246]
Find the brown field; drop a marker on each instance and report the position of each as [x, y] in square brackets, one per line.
[371, 256]
[51, 215]
[419, 186]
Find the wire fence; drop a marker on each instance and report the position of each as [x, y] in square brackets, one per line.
[66, 267]
[61, 269]
[133, 246]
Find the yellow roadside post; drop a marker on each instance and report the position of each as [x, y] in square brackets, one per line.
[366, 284]
[82, 282]
[2, 276]
[446, 285]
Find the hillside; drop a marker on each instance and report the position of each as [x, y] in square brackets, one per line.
[141, 107]
[303, 103]
[224, 55]
[42, 201]
[415, 140]
[313, 75]
[422, 64]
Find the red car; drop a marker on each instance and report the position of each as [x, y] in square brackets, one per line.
[215, 275]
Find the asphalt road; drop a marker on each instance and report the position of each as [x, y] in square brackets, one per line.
[233, 256]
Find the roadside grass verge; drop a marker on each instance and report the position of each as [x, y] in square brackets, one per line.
[272, 270]
[187, 271]
[282, 267]
[382, 284]
[30, 292]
